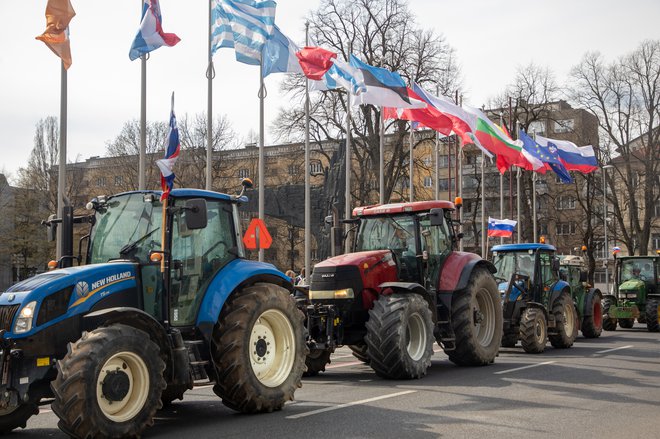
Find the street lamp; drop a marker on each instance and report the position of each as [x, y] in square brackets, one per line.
[607, 253]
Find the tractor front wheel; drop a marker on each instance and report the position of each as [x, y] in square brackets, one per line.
[316, 361]
[652, 315]
[592, 326]
[565, 321]
[533, 331]
[476, 317]
[400, 336]
[609, 323]
[258, 348]
[109, 383]
[626, 323]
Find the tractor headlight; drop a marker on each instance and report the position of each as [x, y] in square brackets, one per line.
[628, 295]
[25, 317]
[346, 293]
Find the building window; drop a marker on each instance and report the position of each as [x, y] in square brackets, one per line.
[293, 169]
[243, 173]
[118, 180]
[100, 181]
[470, 182]
[315, 167]
[428, 181]
[443, 161]
[537, 127]
[566, 228]
[443, 183]
[564, 126]
[565, 202]
[655, 241]
[657, 208]
[472, 159]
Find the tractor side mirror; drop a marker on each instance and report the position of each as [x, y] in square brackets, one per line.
[51, 233]
[583, 276]
[196, 214]
[437, 217]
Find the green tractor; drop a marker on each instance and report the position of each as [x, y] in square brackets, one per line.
[637, 294]
[588, 300]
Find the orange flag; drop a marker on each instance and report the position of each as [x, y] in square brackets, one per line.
[58, 15]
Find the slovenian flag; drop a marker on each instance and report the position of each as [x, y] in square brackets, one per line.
[151, 36]
[574, 158]
[501, 227]
[166, 164]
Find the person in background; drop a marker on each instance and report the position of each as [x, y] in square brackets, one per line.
[291, 275]
[300, 280]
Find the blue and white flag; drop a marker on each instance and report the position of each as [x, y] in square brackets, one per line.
[574, 158]
[546, 154]
[501, 227]
[279, 54]
[343, 75]
[166, 164]
[244, 25]
[151, 36]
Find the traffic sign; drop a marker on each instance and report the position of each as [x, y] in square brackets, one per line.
[256, 235]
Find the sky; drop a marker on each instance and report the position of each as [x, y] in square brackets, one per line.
[492, 38]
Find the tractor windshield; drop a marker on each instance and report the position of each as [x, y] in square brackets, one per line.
[638, 268]
[508, 263]
[127, 226]
[387, 233]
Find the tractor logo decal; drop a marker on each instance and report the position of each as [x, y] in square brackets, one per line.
[102, 284]
[82, 288]
[11, 297]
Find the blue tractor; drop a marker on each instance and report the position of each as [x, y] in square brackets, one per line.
[537, 305]
[165, 301]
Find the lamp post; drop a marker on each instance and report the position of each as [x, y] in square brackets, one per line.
[607, 253]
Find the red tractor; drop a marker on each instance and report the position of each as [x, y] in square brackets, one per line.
[404, 286]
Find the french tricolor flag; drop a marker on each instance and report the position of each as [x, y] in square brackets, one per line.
[501, 227]
[574, 158]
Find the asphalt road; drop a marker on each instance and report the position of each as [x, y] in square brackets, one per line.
[600, 388]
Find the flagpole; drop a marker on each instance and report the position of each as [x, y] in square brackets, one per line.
[262, 96]
[459, 175]
[308, 198]
[143, 123]
[518, 172]
[501, 192]
[534, 201]
[411, 190]
[381, 159]
[437, 155]
[483, 207]
[61, 176]
[347, 194]
[210, 74]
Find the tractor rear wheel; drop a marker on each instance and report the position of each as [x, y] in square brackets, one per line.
[626, 323]
[400, 336]
[609, 323]
[566, 321]
[533, 331]
[15, 417]
[360, 352]
[476, 317]
[652, 315]
[258, 349]
[592, 326]
[316, 361]
[109, 383]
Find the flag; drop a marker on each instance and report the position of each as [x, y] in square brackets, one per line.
[151, 36]
[383, 87]
[616, 250]
[547, 155]
[280, 55]
[574, 158]
[429, 117]
[343, 75]
[56, 36]
[315, 61]
[244, 25]
[501, 227]
[166, 164]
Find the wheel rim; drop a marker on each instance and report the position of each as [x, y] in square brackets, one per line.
[133, 397]
[569, 319]
[539, 330]
[416, 336]
[483, 309]
[598, 315]
[272, 348]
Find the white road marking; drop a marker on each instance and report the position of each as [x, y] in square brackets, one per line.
[614, 349]
[349, 404]
[524, 367]
[335, 366]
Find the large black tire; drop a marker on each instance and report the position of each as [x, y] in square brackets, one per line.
[122, 407]
[609, 323]
[533, 331]
[400, 336]
[509, 340]
[626, 323]
[360, 352]
[592, 326]
[258, 349]
[316, 361]
[476, 317]
[566, 321]
[651, 315]
[17, 416]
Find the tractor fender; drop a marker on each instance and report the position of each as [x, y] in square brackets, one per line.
[234, 276]
[558, 289]
[539, 306]
[411, 288]
[457, 269]
[589, 301]
[132, 317]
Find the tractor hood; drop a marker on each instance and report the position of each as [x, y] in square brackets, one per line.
[632, 286]
[370, 258]
[53, 295]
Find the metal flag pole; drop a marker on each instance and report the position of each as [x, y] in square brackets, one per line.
[143, 123]
[483, 206]
[534, 234]
[411, 190]
[308, 198]
[210, 74]
[437, 155]
[518, 173]
[262, 176]
[459, 190]
[347, 194]
[501, 192]
[381, 159]
[61, 176]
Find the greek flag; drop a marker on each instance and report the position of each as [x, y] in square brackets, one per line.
[244, 25]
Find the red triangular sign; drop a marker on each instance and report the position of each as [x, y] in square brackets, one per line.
[250, 238]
